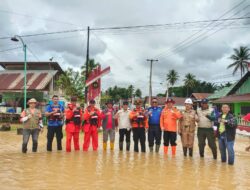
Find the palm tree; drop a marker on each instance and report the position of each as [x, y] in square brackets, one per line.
[172, 77]
[92, 65]
[138, 93]
[189, 81]
[240, 58]
[130, 91]
[72, 83]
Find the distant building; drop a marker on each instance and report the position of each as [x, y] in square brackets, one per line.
[199, 96]
[237, 96]
[41, 77]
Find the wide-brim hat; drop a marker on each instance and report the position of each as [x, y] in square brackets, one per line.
[170, 100]
[32, 100]
[137, 102]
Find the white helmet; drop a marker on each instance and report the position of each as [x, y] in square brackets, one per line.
[188, 101]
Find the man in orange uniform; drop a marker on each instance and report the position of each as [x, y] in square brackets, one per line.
[73, 115]
[168, 123]
[92, 120]
[139, 124]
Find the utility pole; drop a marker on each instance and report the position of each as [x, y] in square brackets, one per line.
[87, 68]
[150, 79]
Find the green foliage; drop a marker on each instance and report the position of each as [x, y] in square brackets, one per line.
[116, 93]
[138, 93]
[72, 83]
[172, 77]
[189, 82]
[240, 59]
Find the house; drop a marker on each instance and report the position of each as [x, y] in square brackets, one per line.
[237, 96]
[41, 77]
[199, 96]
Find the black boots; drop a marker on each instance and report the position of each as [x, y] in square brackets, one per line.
[121, 146]
[190, 152]
[157, 148]
[185, 151]
[151, 148]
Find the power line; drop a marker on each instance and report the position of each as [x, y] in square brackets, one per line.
[46, 33]
[33, 54]
[10, 49]
[199, 33]
[115, 28]
[168, 24]
[195, 42]
[35, 17]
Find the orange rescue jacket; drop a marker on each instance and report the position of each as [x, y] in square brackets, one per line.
[168, 120]
[138, 118]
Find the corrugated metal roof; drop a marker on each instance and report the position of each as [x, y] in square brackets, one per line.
[221, 93]
[234, 99]
[14, 79]
[200, 96]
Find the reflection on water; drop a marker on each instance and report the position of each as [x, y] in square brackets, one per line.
[117, 170]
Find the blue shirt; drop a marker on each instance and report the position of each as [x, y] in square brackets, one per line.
[154, 117]
[53, 122]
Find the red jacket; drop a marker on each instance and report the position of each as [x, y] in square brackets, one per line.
[73, 117]
[94, 119]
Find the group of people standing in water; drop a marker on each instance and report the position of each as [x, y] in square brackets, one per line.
[152, 122]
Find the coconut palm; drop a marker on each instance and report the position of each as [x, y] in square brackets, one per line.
[189, 81]
[92, 65]
[172, 77]
[138, 93]
[240, 59]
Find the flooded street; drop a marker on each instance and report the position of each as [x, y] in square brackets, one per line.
[117, 170]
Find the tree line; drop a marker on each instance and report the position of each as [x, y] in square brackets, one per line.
[73, 82]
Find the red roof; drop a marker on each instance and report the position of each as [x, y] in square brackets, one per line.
[200, 96]
[234, 99]
[14, 80]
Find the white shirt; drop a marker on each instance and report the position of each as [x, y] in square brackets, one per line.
[123, 119]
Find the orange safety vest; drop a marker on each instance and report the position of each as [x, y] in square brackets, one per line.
[168, 120]
[138, 118]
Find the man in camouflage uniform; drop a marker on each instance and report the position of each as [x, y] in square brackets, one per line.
[187, 127]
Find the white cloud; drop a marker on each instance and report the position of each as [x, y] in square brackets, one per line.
[125, 52]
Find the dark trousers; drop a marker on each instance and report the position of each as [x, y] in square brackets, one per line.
[203, 134]
[124, 133]
[26, 135]
[154, 135]
[139, 135]
[169, 137]
[52, 131]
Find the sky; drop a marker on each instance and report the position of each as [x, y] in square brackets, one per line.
[200, 48]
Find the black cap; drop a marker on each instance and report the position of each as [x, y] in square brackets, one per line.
[125, 103]
[92, 101]
[204, 101]
[73, 99]
[109, 102]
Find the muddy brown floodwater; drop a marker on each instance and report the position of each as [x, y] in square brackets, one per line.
[117, 170]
